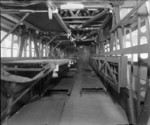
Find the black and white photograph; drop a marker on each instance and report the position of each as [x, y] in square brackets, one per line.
[75, 62]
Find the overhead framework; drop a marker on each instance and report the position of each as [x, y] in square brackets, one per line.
[116, 33]
[16, 12]
[63, 18]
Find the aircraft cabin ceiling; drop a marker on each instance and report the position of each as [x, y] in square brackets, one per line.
[80, 23]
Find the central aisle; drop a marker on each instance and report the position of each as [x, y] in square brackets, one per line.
[92, 108]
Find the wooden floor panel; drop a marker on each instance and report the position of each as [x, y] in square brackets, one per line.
[91, 109]
[46, 111]
[77, 109]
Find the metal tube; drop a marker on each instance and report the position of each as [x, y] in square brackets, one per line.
[89, 35]
[55, 47]
[94, 18]
[20, 21]
[22, 11]
[52, 39]
[55, 37]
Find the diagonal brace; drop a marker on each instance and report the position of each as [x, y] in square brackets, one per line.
[23, 18]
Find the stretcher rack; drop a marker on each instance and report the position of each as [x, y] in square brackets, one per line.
[21, 76]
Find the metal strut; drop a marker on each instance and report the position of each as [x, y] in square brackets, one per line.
[20, 21]
[55, 47]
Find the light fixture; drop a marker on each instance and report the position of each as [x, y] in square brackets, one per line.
[110, 11]
[72, 6]
[51, 9]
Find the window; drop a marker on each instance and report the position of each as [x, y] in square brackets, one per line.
[6, 45]
[44, 51]
[10, 46]
[135, 38]
[144, 55]
[15, 49]
[15, 45]
[124, 12]
[27, 50]
[107, 48]
[33, 49]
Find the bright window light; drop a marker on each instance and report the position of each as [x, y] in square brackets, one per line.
[135, 57]
[72, 6]
[148, 4]
[144, 55]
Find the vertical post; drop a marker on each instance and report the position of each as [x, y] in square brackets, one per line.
[101, 39]
[18, 42]
[30, 45]
[97, 49]
[145, 111]
[112, 34]
[21, 45]
[25, 48]
[36, 47]
[10, 100]
[42, 46]
[48, 50]
[119, 29]
[142, 16]
[35, 40]
[12, 44]
[130, 77]
[44, 49]
[138, 68]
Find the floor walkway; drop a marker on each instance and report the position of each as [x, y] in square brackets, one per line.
[77, 109]
[91, 109]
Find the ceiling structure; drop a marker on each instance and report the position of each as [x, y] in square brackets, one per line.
[80, 25]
